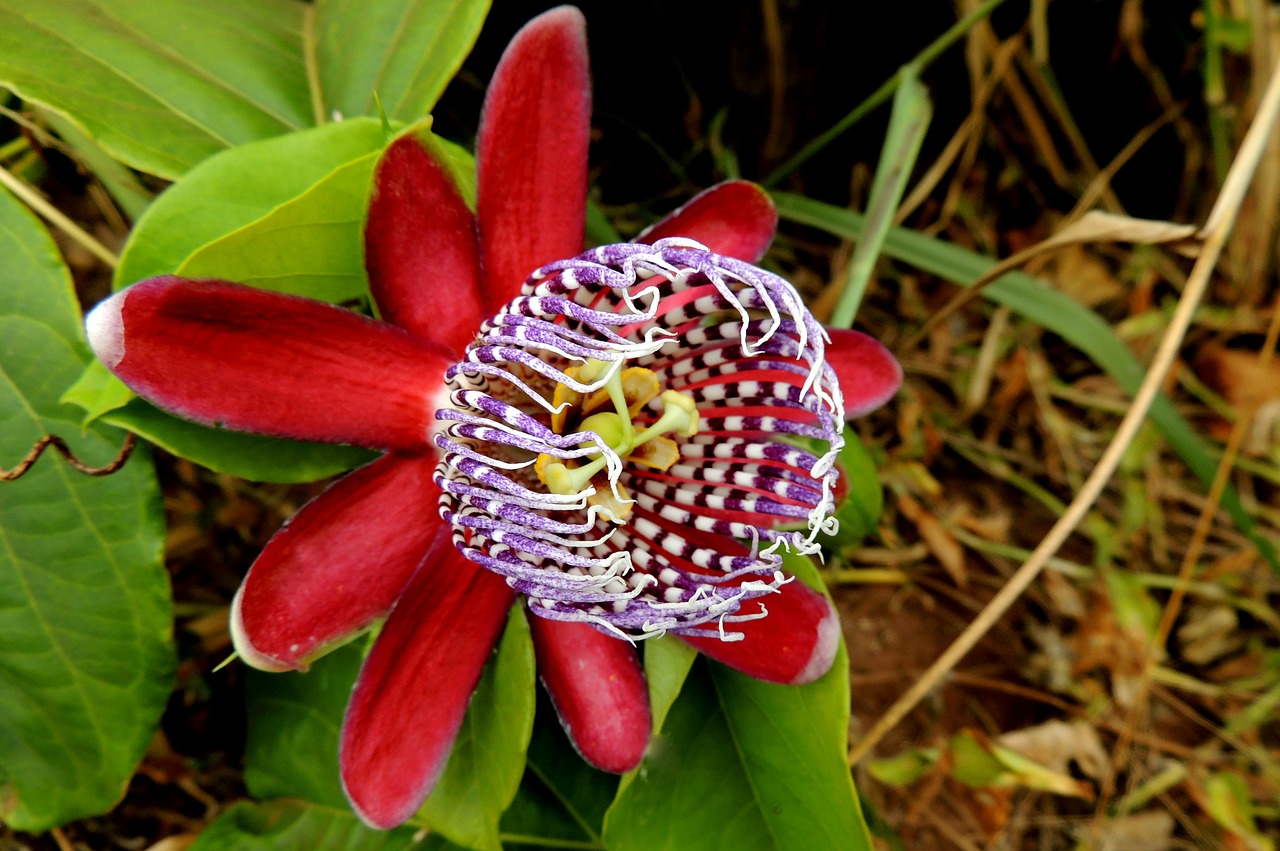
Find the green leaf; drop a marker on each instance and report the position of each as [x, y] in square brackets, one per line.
[538, 819]
[295, 719]
[1056, 311]
[405, 51]
[912, 112]
[123, 185]
[309, 246]
[458, 162]
[562, 797]
[236, 189]
[905, 768]
[667, 662]
[600, 231]
[291, 746]
[763, 763]
[691, 778]
[290, 825]
[86, 660]
[1230, 804]
[261, 459]
[97, 391]
[160, 84]
[488, 756]
[973, 763]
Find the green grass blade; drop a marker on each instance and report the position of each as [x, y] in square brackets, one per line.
[912, 111]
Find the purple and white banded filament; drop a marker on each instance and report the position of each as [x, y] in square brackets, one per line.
[713, 328]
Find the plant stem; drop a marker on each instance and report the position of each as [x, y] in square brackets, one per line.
[55, 216]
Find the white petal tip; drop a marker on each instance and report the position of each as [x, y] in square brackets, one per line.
[244, 647]
[104, 329]
[824, 649]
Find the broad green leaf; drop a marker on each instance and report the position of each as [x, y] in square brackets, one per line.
[537, 819]
[161, 84]
[261, 459]
[235, 189]
[86, 659]
[562, 798]
[488, 756]
[1054, 310]
[764, 763]
[291, 748]
[691, 792]
[295, 718]
[97, 391]
[310, 246]
[405, 51]
[667, 662]
[291, 825]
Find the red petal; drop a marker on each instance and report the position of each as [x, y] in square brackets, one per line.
[338, 565]
[412, 692]
[868, 374]
[794, 644]
[420, 248]
[250, 360]
[598, 688]
[531, 153]
[736, 219]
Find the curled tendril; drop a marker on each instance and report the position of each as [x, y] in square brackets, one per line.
[130, 442]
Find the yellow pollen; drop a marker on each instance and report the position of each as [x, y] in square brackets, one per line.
[627, 392]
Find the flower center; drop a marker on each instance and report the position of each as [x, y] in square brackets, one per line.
[613, 433]
[632, 440]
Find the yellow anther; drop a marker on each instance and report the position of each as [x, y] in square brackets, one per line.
[555, 475]
[657, 453]
[629, 391]
[611, 507]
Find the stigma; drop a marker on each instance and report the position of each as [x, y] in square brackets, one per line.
[605, 418]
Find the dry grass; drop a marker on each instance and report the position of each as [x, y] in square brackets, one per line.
[1139, 669]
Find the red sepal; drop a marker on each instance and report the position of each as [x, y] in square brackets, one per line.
[420, 248]
[413, 688]
[868, 374]
[736, 218]
[338, 565]
[598, 688]
[531, 153]
[794, 644]
[250, 360]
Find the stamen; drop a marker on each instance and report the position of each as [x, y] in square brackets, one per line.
[616, 431]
